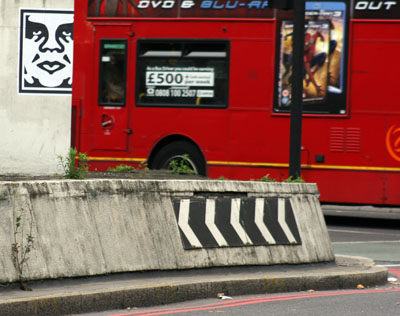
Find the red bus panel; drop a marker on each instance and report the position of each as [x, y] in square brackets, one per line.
[211, 81]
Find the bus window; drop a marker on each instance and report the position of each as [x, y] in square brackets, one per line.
[112, 81]
[325, 47]
[189, 73]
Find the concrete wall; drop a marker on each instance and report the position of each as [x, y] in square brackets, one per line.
[94, 227]
[35, 127]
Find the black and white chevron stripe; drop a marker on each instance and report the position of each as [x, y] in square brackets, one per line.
[233, 222]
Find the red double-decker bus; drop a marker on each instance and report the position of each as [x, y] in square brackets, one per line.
[155, 80]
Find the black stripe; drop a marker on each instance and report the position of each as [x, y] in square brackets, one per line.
[247, 219]
[197, 221]
[271, 221]
[222, 221]
[291, 221]
[185, 242]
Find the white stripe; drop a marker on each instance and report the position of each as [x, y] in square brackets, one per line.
[183, 223]
[259, 220]
[210, 222]
[366, 242]
[235, 222]
[360, 232]
[282, 221]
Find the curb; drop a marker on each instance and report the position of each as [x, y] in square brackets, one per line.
[361, 271]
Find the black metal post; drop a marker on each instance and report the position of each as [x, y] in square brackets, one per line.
[297, 90]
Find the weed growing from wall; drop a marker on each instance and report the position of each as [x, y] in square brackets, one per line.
[140, 169]
[24, 243]
[297, 180]
[121, 168]
[267, 178]
[75, 165]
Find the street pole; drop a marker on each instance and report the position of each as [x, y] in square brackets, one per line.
[297, 90]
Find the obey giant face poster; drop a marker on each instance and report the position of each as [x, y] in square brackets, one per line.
[46, 51]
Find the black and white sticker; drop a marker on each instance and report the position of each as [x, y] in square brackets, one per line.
[235, 222]
[46, 51]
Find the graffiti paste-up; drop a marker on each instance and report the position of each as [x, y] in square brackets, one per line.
[46, 51]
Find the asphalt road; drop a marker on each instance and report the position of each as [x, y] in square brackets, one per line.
[372, 302]
[375, 239]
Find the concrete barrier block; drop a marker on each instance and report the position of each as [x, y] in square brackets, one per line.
[92, 227]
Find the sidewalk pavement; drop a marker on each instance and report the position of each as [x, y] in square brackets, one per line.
[123, 290]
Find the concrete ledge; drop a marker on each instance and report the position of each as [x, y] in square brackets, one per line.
[155, 288]
[94, 227]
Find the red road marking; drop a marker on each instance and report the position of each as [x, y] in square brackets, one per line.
[250, 301]
[396, 272]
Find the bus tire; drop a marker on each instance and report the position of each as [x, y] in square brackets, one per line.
[178, 149]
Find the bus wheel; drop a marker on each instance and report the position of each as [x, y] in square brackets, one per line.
[183, 154]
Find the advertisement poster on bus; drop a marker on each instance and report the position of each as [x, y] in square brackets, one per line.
[179, 82]
[323, 54]
[180, 8]
[335, 14]
[182, 73]
[316, 60]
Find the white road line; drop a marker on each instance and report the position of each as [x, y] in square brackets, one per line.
[282, 221]
[367, 242]
[183, 223]
[235, 222]
[210, 222]
[259, 220]
[358, 232]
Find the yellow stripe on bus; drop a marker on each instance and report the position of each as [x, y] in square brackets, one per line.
[116, 159]
[286, 165]
[262, 164]
[247, 164]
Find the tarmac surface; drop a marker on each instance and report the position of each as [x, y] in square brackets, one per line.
[139, 289]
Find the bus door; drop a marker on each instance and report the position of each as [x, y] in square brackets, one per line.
[110, 115]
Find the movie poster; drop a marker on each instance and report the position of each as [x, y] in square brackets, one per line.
[316, 62]
[323, 54]
[334, 13]
[285, 66]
